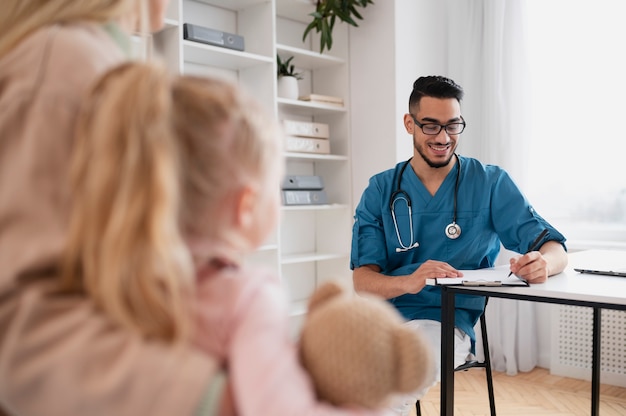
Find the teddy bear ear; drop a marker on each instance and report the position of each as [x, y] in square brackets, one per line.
[415, 362]
[324, 293]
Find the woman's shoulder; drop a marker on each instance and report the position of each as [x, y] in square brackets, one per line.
[81, 51]
[59, 61]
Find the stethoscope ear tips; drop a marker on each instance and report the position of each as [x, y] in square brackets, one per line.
[403, 249]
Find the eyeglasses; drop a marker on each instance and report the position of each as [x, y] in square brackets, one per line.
[433, 129]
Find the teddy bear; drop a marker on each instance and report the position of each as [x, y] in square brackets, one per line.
[357, 350]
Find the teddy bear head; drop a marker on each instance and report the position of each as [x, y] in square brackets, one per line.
[357, 350]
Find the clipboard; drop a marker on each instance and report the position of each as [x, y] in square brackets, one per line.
[496, 276]
[481, 283]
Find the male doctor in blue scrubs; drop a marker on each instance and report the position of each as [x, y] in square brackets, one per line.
[440, 213]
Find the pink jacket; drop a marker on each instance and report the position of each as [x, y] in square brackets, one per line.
[58, 355]
[243, 321]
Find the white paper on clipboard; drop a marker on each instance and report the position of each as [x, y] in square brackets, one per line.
[482, 277]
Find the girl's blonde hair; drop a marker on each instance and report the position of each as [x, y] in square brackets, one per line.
[155, 157]
[19, 18]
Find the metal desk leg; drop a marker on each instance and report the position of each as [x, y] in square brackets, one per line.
[447, 352]
[595, 363]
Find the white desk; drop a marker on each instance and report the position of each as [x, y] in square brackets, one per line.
[567, 288]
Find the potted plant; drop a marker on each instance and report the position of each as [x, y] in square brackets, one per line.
[287, 78]
[327, 12]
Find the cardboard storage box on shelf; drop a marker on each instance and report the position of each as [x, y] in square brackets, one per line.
[307, 145]
[306, 129]
[306, 137]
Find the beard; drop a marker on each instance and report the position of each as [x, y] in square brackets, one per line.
[430, 162]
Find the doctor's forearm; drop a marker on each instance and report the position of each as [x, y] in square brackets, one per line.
[367, 280]
[555, 255]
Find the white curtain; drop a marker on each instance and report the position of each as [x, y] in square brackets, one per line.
[486, 55]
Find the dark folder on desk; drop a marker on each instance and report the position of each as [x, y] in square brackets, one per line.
[604, 272]
[608, 263]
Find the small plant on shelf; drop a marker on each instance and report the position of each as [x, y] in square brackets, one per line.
[286, 68]
[287, 78]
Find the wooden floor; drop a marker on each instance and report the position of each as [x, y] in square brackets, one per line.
[534, 393]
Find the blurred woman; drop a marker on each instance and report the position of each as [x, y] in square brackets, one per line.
[60, 354]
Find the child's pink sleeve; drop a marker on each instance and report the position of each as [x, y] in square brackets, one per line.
[264, 372]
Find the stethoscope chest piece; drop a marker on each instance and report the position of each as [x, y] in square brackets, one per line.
[453, 230]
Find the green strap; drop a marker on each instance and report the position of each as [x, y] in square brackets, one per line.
[121, 38]
[210, 404]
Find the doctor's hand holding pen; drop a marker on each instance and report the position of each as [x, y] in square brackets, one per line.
[533, 266]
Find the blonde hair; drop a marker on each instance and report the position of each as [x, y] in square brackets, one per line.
[19, 18]
[155, 155]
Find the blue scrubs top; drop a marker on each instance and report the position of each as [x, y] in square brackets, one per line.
[490, 209]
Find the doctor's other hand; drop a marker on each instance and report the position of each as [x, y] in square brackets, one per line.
[531, 267]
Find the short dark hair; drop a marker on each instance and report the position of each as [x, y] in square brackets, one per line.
[434, 86]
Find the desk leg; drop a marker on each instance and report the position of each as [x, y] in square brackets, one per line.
[447, 352]
[595, 363]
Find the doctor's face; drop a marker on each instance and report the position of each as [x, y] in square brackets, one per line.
[433, 114]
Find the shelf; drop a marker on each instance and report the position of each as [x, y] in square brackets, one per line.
[169, 24]
[298, 308]
[295, 9]
[311, 243]
[267, 247]
[307, 60]
[308, 108]
[232, 4]
[313, 157]
[325, 207]
[225, 58]
[310, 257]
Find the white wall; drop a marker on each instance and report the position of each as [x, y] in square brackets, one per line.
[372, 94]
[396, 42]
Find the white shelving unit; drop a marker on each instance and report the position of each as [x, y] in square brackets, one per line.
[311, 243]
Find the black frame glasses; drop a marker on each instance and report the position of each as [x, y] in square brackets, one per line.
[433, 129]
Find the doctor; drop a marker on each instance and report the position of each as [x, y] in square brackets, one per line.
[439, 213]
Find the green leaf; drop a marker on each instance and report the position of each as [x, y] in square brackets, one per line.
[345, 17]
[356, 13]
[327, 6]
[285, 68]
[308, 29]
[326, 38]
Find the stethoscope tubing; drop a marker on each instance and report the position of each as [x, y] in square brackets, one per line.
[452, 230]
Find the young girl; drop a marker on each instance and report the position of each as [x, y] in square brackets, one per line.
[177, 178]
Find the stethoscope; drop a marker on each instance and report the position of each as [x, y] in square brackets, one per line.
[452, 230]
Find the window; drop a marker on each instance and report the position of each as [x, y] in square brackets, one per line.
[577, 178]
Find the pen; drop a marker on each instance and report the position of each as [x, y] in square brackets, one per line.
[534, 246]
